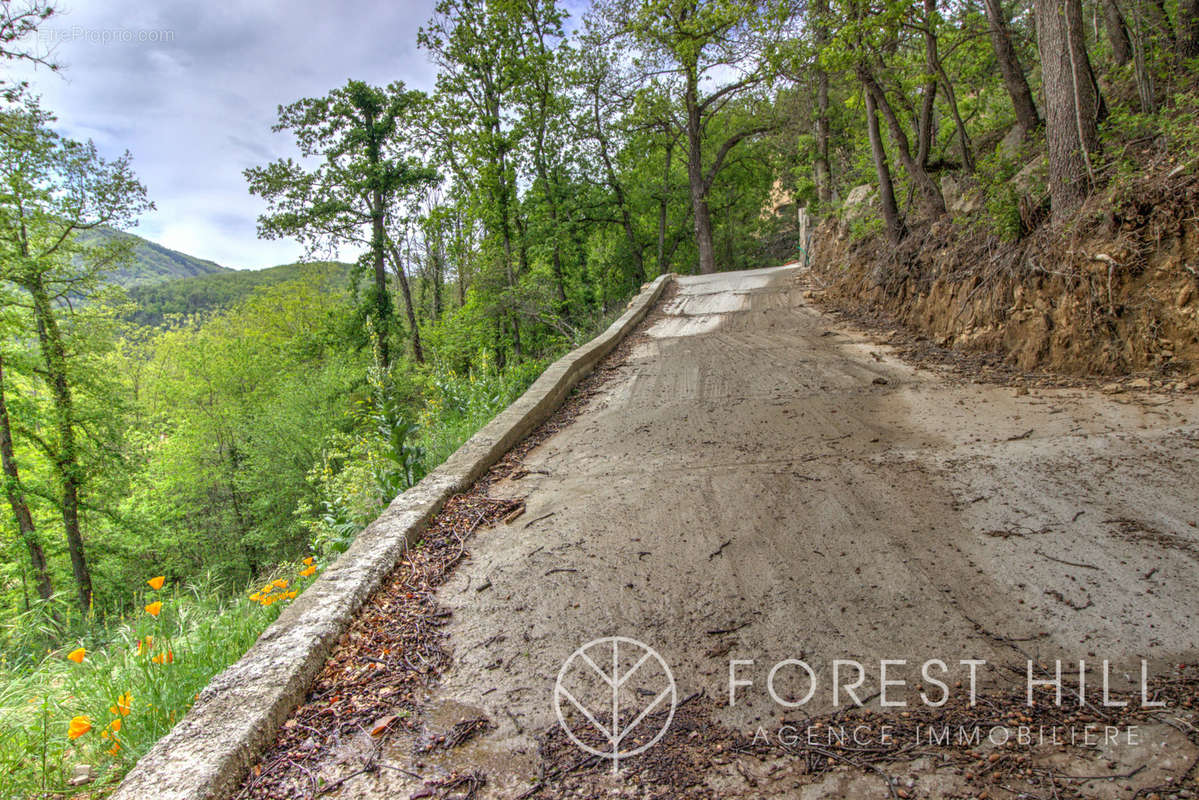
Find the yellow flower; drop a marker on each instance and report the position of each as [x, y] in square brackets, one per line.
[79, 726]
[256, 596]
[266, 589]
[308, 571]
[77, 655]
[281, 583]
[156, 583]
[154, 608]
[308, 561]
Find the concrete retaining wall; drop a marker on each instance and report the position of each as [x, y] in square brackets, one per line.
[237, 715]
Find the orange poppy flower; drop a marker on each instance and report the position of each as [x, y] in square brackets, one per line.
[116, 748]
[308, 571]
[124, 705]
[77, 655]
[156, 583]
[281, 583]
[79, 726]
[154, 608]
[308, 561]
[115, 724]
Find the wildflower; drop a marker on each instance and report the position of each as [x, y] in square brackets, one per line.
[266, 589]
[79, 726]
[116, 748]
[308, 561]
[256, 597]
[309, 571]
[115, 724]
[77, 655]
[156, 583]
[164, 658]
[281, 583]
[124, 705]
[154, 608]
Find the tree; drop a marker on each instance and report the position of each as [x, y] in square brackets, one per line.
[693, 41]
[16, 499]
[19, 22]
[1009, 66]
[53, 189]
[1071, 104]
[368, 164]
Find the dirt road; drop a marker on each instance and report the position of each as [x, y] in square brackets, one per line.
[761, 483]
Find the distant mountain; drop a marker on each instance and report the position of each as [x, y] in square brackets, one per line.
[152, 263]
[200, 293]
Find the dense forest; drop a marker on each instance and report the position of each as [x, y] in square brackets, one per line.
[221, 431]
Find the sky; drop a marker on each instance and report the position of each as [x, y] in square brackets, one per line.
[191, 89]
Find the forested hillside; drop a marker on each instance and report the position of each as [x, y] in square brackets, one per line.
[148, 263]
[231, 430]
[154, 304]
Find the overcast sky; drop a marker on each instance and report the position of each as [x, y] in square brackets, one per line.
[191, 90]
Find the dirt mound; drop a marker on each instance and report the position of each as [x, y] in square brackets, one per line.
[1114, 293]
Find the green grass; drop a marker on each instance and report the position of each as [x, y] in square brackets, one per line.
[199, 631]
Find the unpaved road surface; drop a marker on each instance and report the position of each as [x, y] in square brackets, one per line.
[760, 483]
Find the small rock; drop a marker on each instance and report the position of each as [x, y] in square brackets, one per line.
[1112, 388]
[879, 381]
[1184, 295]
[1140, 383]
[1181, 386]
[82, 774]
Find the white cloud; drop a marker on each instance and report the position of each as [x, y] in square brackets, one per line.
[191, 89]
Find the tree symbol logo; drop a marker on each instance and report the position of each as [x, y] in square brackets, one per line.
[612, 687]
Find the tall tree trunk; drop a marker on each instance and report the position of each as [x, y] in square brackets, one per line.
[663, 203]
[821, 170]
[617, 187]
[1117, 32]
[551, 201]
[886, 189]
[1071, 108]
[928, 94]
[16, 499]
[438, 269]
[381, 299]
[695, 177]
[406, 290]
[67, 456]
[931, 199]
[1009, 66]
[937, 70]
[463, 249]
